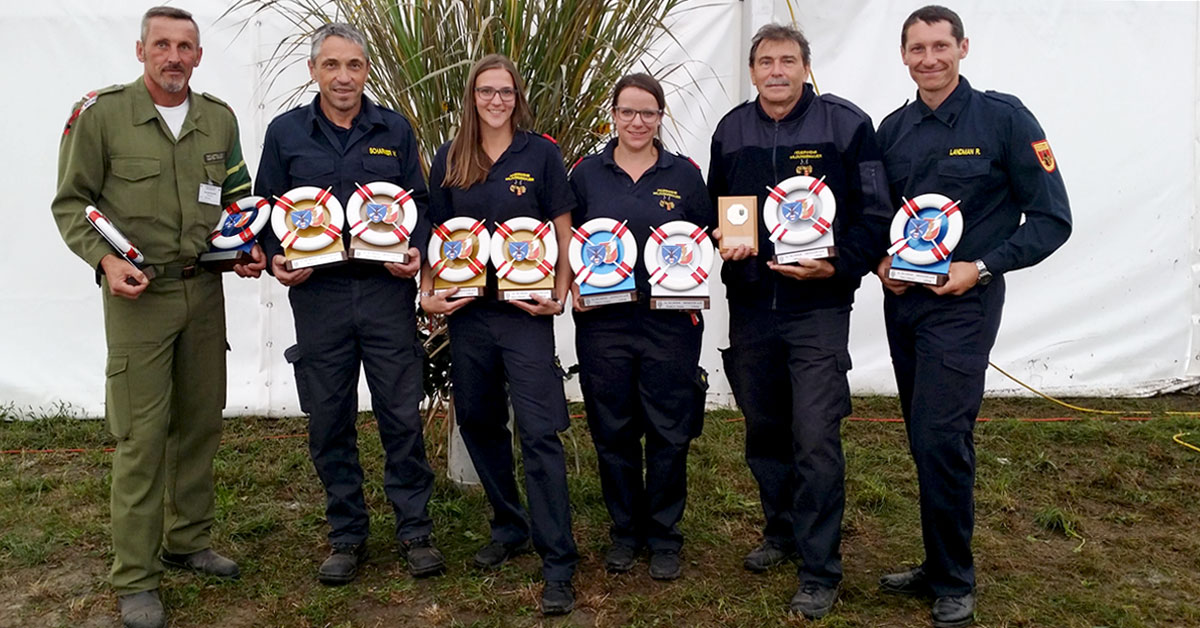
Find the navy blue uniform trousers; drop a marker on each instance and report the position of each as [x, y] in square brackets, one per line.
[940, 348]
[342, 323]
[639, 370]
[493, 344]
[788, 375]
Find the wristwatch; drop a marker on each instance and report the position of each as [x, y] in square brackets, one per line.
[985, 275]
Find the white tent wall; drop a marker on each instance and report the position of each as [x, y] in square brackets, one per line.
[1113, 313]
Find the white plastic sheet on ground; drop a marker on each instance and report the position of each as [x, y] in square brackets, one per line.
[1113, 313]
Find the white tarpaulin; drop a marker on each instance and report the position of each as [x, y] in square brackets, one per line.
[1113, 312]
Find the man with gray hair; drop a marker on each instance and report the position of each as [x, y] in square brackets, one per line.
[160, 161]
[789, 323]
[356, 315]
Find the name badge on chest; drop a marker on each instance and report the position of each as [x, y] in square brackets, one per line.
[210, 194]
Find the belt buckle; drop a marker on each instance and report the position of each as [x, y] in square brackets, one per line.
[189, 271]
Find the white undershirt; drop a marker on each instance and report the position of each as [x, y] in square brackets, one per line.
[174, 116]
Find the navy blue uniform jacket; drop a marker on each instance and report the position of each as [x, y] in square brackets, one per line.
[986, 150]
[823, 136]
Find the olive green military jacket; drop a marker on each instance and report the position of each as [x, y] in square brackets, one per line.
[117, 153]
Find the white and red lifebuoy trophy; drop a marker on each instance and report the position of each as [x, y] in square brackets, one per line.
[602, 255]
[381, 218]
[119, 242]
[798, 215]
[308, 222]
[524, 252]
[458, 256]
[234, 236]
[924, 233]
[679, 256]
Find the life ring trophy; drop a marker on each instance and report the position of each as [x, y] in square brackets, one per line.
[381, 218]
[679, 256]
[798, 215]
[738, 219]
[119, 242]
[524, 252]
[234, 236]
[308, 222]
[458, 256]
[602, 254]
[924, 233]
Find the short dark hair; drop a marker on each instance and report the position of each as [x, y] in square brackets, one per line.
[779, 32]
[168, 12]
[932, 14]
[642, 81]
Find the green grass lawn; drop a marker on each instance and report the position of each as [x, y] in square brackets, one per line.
[1085, 523]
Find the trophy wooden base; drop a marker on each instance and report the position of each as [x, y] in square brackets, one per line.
[738, 217]
[512, 291]
[223, 261]
[333, 254]
[366, 252]
[791, 257]
[608, 298]
[473, 287]
[679, 303]
[916, 276]
[935, 274]
[526, 295]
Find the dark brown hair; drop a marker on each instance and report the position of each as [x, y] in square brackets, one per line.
[642, 81]
[932, 14]
[466, 162]
[779, 32]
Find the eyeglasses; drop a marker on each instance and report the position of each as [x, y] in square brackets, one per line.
[507, 94]
[649, 116]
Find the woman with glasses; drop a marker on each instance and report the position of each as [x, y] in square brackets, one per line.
[495, 170]
[639, 368]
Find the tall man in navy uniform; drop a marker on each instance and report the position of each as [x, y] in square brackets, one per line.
[356, 314]
[789, 324]
[986, 150]
[160, 161]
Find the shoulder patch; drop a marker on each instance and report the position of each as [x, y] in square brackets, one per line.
[1045, 156]
[577, 162]
[87, 101]
[551, 138]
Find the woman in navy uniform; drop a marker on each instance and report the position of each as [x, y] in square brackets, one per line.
[494, 170]
[639, 368]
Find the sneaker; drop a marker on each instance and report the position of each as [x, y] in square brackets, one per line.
[620, 558]
[766, 556]
[142, 610]
[422, 557]
[953, 611]
[814, 600]
[342, 565]
[911, 582]
[558, 597]
[496, 553]
[664, 565]
[206, 562]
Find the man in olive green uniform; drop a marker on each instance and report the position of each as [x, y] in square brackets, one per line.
[160, 161]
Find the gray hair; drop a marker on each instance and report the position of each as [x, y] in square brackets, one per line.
[167, 12]
[337, 29]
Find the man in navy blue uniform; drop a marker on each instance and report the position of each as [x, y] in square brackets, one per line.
[986, 150]
[789, 324]
[355, 314]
